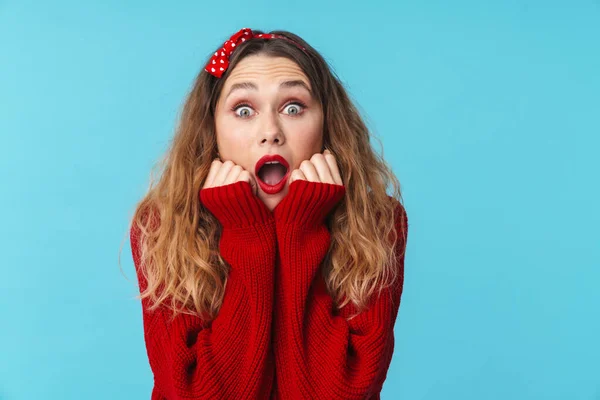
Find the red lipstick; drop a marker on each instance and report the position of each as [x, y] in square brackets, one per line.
[271, 189]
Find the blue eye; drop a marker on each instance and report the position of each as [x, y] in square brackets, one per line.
[243, 110]
[294, 109]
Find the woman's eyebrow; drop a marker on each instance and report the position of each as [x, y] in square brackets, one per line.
[242, 85]
[284, 84]
[295, 83]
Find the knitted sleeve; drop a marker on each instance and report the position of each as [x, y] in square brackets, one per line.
[319, 354]
[230, 357]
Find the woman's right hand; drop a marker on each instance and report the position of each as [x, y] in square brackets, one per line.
[230, 194]
[225, 173]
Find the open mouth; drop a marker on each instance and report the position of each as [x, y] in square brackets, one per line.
[272, 173]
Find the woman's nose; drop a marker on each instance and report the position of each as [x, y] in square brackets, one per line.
[270, 127]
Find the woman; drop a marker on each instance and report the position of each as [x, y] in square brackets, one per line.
[269, 256]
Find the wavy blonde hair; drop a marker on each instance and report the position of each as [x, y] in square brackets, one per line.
[178, 238]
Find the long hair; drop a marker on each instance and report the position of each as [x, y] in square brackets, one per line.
[178, 238]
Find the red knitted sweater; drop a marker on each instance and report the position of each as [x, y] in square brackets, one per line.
[277, 335]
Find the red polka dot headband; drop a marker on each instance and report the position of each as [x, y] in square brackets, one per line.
[218, 63]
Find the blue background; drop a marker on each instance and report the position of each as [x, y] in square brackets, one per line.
[488, 113]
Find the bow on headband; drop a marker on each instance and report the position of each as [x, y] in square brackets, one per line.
[219, 62]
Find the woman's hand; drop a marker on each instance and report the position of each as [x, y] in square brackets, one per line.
[320, 168]
[318, 189]
[225, 173]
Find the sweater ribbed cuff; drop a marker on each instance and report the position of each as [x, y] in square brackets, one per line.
[235, 206]
[308, 203]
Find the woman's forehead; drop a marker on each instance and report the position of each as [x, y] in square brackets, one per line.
[262, 69]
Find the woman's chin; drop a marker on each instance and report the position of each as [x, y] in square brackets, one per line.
[272, 199]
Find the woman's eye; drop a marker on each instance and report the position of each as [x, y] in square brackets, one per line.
[293, 109]
[243, 111]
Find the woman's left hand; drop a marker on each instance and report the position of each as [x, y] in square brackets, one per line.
[322, 167]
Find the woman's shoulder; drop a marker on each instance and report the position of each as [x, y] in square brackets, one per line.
[400, 214]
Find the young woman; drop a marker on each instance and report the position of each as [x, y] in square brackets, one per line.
[270, 258]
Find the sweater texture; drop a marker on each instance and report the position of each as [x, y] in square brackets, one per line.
[277, 334]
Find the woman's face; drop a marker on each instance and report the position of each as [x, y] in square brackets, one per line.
[266, 107]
